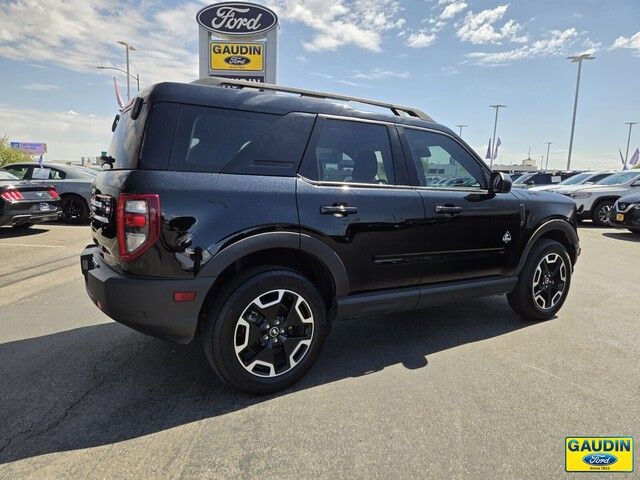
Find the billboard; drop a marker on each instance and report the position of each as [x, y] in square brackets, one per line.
[30, 148]
[247, 57]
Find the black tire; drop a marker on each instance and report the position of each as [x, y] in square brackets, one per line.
[601, 211]
[523, 300]
[246, 296]
[74, 209]
[22, 226]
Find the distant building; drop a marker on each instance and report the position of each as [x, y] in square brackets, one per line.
[526, 165]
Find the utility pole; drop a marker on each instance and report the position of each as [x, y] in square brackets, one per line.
[461, 127]
[546, 166]
[128, 47]
[495, 126]
[576, 59]
[626, 155]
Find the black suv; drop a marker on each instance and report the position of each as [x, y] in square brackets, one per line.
[254, 216]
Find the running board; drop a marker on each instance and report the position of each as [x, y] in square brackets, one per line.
[393, 300]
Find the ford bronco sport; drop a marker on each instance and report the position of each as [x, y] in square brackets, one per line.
[255, 216]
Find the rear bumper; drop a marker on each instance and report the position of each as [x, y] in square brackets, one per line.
[144, 304]
[20, 217]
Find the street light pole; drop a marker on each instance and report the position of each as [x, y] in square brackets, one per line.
[127, 47]
[626, 155]
[461, 127]
[546, 166]
[137, 77]
[576, 59]
[495, 126]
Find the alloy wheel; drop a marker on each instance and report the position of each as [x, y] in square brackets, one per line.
[273, 333]
[549, 281]
[603, 213]
[71, 210]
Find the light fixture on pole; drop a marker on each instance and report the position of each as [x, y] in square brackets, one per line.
[626, 155]
[127, 47]
[546, 166]
[576, 59]
[493, 139]
[137, 76]
[461, 126]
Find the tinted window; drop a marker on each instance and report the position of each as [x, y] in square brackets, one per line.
[7, 176]
[434, 153]
[126, 140]
[597, 178]
[207, 139]
[352, 152]
[619, 178]
[580, 178]
[18, 170]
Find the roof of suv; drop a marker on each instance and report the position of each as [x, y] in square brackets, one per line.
[268, 102]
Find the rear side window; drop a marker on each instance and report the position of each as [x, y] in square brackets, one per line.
[126, 140]
[352, 152]
[208, 139]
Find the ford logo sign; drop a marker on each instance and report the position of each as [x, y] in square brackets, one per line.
[599, 459]
[237, 18]
[236, 60]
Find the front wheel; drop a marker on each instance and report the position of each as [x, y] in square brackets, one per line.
[266, 330]
[543, 283]
[601, 212]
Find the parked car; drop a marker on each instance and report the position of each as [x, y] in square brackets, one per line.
[72, 182]
[626, 213]
[584, 178]
[515, 175]
[223, 215]
[595, 201]
[24, 203]
[529, 180]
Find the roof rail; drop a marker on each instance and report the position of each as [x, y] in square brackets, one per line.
[395, 109]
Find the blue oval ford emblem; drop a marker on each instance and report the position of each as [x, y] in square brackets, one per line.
[237, 60]
[237, 18]
[599, 459]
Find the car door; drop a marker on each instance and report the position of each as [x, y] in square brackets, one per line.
[349, 198]
[470, 232]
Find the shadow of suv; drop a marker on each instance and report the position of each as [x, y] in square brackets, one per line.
[257, 215]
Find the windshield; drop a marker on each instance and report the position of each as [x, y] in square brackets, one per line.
[126, 140]
[7, 176]
[618, 178]
[524, 178]
[577, 179]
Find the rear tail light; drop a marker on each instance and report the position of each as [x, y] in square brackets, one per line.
[138, 223]
[53, 193]
[12, 195]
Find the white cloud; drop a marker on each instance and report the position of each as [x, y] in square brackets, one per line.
[378, 73]
[69, 135]
[43, 87]
[632, 42]
[479, 28]
[338, 23]
[555, 42]
[420, 39]
[78, 35]
[453, 9]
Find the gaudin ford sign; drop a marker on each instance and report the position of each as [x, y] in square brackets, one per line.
[237, 18]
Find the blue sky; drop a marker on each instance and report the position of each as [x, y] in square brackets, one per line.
[451, 58]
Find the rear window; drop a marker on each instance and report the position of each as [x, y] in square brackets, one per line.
[127, 137]
[208, 139]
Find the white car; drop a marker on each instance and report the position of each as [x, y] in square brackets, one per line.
[577, 181]
[595, 201]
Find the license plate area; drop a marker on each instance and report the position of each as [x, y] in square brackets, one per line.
[44, 207]
[619, 217]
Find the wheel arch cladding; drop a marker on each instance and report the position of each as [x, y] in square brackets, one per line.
[558, 230]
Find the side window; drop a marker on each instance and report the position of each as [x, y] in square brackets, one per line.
[442, 162]
[597, 178]
[207, 139]
[352, 152]
[18, 170]
[55, 174]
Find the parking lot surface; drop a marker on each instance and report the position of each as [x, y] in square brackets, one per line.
[460, 391]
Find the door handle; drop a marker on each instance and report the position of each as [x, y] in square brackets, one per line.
[448, 209]
[338, 210]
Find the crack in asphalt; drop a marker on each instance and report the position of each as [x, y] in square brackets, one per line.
[75, 403]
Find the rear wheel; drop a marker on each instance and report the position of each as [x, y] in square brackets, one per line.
[74, 209]
[544, 282]
[601, 212]
[266, 330]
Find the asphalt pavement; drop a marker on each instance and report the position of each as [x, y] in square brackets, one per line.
[460, 391]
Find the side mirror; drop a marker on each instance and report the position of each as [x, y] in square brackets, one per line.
[499, 183]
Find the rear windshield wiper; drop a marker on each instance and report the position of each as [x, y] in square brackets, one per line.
[107, 160]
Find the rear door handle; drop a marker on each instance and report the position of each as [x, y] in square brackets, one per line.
[339, 210]
[448, 209]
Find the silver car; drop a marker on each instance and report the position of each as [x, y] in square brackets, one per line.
[72, 182]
